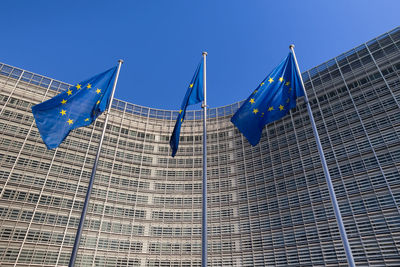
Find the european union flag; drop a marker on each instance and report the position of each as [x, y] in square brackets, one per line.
[194, 95]
[271, 100]
[79, 106]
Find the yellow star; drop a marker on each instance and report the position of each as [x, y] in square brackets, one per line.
[70, 121]
[287, 83]
[89, 86]
[270, 108]
[78, 86]
[63, 112]
[290, 89]
[181, 119]
[255, 111]
[180, 111]
[281, 107]
[261, 84]
[255, 91]
[98, 102]
[270, 80]
[87, 119]
[191, 85]
[63, 101]
[281, 79]
[98, 91]
[69, 92]
[252, 100]
[262, 114]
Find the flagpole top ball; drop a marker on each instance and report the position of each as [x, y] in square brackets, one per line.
[121, 61]
[291, 46]
[204, 53]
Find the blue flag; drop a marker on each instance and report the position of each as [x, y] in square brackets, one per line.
[271, 100]
[79, 106]
[194, 95]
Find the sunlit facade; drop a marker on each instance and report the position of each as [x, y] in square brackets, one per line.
[268, 205]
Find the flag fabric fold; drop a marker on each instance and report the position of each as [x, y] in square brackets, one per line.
[194, 94]
[270, 101]
[79, 106]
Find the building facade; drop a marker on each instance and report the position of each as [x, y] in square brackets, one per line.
[268, 205]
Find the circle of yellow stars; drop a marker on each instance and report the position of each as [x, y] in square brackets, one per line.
[270, 80]
[69, 92]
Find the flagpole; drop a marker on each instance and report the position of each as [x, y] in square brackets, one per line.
[91, 180]
[332, 194]
[204, 207]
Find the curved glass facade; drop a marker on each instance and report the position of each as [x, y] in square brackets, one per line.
[268, 205]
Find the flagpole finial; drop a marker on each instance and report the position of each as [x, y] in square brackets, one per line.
[204, 53]
[291, 46]
[120, 61]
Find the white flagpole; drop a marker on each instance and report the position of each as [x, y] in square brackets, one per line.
[91, 180]
[332, 194]
[204, 207]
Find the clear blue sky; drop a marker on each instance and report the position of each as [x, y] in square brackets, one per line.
[161, 41]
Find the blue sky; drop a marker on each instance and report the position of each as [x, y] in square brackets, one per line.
[161, 41]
